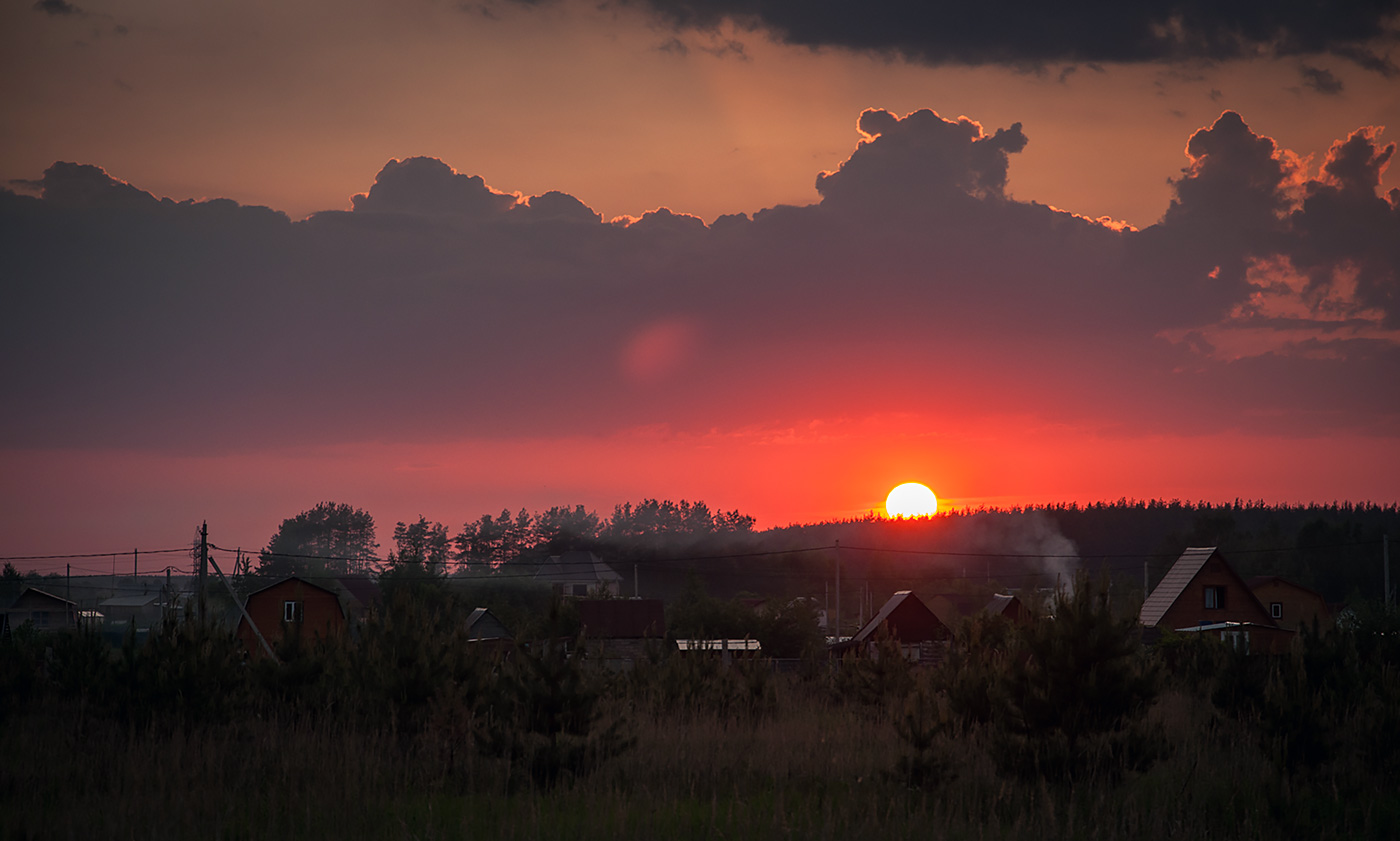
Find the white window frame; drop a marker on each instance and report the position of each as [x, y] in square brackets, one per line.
[1215, 597]
[292, 611]
[1276, 610]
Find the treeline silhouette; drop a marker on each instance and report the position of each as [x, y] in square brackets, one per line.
[659, 545]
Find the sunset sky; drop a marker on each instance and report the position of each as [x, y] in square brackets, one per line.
[445, 258]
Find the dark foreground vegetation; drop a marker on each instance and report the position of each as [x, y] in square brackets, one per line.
[1066, 728]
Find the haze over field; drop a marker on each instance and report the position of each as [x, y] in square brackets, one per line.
[442, 259]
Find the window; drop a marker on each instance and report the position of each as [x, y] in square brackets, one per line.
[291, 611]
[1215, 598]
[1276, 610]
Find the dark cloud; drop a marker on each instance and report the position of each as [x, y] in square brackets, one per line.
[57, 7]
[441, 306]
[1030, 32]
[922, 157]
[428, 186]
[1321, 80]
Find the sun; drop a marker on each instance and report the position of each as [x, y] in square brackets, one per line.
[911, 499]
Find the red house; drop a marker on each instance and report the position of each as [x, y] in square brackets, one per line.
[904, 618]
[295, 605]
[1201, 593]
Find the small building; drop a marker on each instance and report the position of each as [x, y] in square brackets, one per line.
[921, 635]
[295, 605]
[1290, 605]
[954, 608]
[45, 611]
[143, 611]
[482, 625]
[619, 632]
[579, 574]
[1203, 590]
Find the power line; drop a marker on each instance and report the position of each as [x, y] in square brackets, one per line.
[91, 555]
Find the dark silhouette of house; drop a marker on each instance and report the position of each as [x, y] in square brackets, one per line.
[1202, 593]
[920, 634]
[954, 608]
[45, 611]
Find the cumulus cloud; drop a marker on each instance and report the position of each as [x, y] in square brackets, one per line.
[441, 306]
[1019, 32]
[427, 186]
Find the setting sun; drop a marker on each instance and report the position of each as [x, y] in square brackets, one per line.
[911, 499]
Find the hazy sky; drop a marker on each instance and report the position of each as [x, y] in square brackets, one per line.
[444, 258]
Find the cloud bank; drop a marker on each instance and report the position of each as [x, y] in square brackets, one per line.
[1266, 299]
[1024, 32]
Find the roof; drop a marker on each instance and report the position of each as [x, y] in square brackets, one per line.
[143, 600]
[1260, 580]
[719, 645]
[576, 567]
[999, 604]
[1174, 583]
[895, 602]
[483, 625]
[35, 592]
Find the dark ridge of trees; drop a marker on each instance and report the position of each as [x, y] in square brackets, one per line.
[1333, 548]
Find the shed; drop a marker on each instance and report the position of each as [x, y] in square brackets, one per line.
[144, 609]
[483, 625]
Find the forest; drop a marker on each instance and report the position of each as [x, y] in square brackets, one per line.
[1335, 549]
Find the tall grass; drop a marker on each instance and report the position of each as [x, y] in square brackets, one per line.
[320, 750]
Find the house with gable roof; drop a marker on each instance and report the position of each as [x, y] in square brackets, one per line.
[1202, 593]
[921, 635]
[580, 574]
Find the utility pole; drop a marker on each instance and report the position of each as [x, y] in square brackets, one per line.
[203, 566]
[135, 564]
[1385, 557]
[838, 591]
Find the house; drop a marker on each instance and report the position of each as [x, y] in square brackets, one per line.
[482, 626]
[45, 611]
[295, 605]
[579, 574]
[1203, 593]
[953, 608]
[921, 635]
[1290, 605]
[619, 632]
[143, 610]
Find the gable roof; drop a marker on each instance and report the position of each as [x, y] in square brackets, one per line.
[905, 599]
[1174, 583]
[1261, 580]
[32, 594]
[576, 567]
[483, 625]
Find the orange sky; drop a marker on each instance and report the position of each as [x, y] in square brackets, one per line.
[909, 322]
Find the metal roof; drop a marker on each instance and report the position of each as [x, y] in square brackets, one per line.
[576, 567]
[1174, 583]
